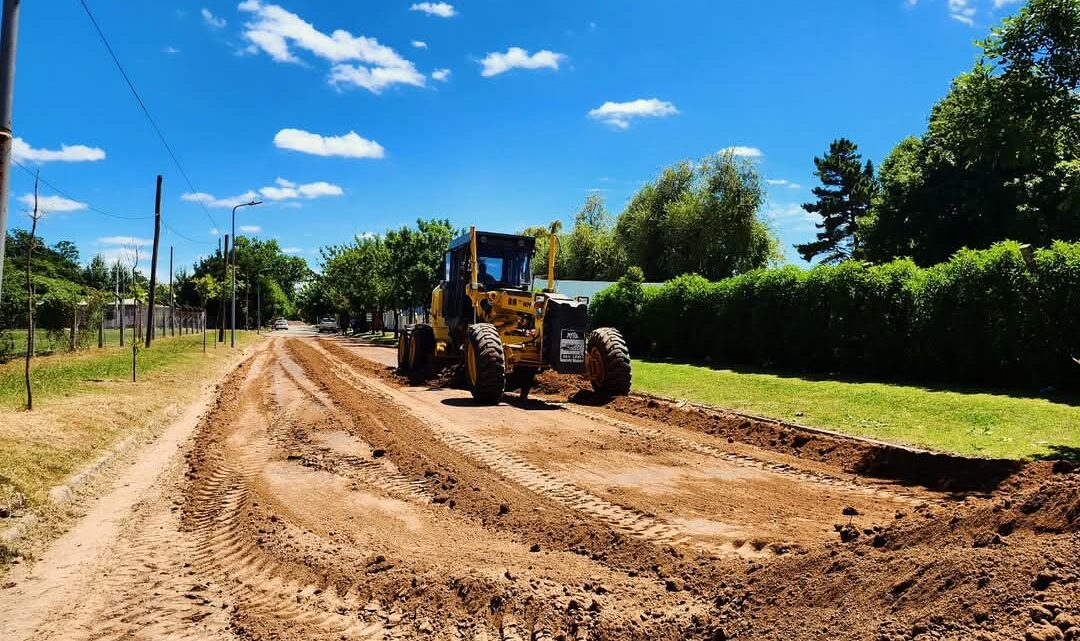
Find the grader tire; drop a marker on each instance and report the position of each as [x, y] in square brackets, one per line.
[485, 363]
[421, 351]
[607, 362]
[403, 348]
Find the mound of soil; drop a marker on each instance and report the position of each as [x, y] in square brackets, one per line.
[998, 568]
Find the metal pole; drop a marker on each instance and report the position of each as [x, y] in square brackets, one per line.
[9, 35]
[232, 311]
[172, 297]
[232, 323]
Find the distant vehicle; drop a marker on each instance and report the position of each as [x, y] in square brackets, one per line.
[328, 325]
[281, 323]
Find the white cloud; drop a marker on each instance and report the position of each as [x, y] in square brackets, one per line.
[419, 44]
[351, 145]
[1001, 3]
[442, 75]
[791, 216]
[171, 50]
[214, 231]
[127, 241]
[250, 229]
[212, 20]
[292, 250]
[319, 189]
[517, 58]
[273, 30]
[782, 182]
[226, 203]
[283, 191]
[619, 114]
[51, 204]
[440, 9]
[22, 151]
[744, 152]
[123, 255]
[962, 11]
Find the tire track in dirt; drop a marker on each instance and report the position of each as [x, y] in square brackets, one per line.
[745, 460]
[257, 583]
[544, 483]
[378, 472]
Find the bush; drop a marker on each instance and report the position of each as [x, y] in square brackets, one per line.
[985, 317]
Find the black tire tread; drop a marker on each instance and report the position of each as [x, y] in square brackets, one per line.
[616, 355]
[490, 363]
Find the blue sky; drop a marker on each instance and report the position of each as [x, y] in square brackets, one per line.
[351, 117]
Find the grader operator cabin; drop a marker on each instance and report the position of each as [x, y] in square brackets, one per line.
[486, 312]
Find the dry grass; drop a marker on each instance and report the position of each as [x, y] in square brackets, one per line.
[85, 404]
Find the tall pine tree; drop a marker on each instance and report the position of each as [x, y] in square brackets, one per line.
[842, 200]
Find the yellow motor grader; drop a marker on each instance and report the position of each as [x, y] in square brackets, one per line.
[485, 313]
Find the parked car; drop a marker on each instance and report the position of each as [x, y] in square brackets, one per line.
[328, 325]
[281, 323]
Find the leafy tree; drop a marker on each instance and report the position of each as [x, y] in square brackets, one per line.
[96, 274]
[843, 201]
[699, 218]
[1001, 155]
[414, 261]
[590, 251]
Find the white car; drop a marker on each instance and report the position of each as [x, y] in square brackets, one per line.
[281, 323]
[328, 325]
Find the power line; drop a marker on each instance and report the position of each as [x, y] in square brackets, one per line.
[145, 110]
[185, 237]
[72, 198]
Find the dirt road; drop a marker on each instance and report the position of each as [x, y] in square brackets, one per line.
[320, 499]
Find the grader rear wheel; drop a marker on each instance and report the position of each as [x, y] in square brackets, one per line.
[403, 348]
[485, 363]
[421, 351]
[607, 362]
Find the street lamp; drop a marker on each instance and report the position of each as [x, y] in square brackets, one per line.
[232, 313]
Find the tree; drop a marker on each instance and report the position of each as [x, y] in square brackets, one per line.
[1001, 154]
[699, 218]
[590, 251]
[96, 274]
[415, 257]
[843, 201]
[35, 216]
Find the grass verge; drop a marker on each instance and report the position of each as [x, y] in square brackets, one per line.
[85, 403]
[968, 423]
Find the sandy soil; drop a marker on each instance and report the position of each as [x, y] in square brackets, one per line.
[322, 498]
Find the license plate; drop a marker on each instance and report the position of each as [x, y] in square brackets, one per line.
[572, 346]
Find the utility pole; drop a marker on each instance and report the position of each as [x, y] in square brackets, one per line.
[258, 304]
[172, 297]
[224, 280]
[9, 34]
[153, 266]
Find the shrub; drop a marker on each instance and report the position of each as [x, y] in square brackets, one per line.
[983, 317]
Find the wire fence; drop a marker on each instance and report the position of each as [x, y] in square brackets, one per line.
[97, 326]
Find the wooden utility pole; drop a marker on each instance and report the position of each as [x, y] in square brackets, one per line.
[9, 32]
[119, 303]
[172, 297]
[153, 266]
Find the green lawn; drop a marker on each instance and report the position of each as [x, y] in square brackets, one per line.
[64, 373]
[970, 423]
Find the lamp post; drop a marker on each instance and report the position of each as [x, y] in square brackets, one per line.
[232, 313]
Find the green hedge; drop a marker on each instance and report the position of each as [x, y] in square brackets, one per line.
[982, 318]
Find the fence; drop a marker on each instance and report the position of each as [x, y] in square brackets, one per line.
[85, 325]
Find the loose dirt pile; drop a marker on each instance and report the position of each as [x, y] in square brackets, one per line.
[325, 498]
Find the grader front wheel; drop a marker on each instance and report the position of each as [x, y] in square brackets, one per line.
[485, 363]
[607, 362]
